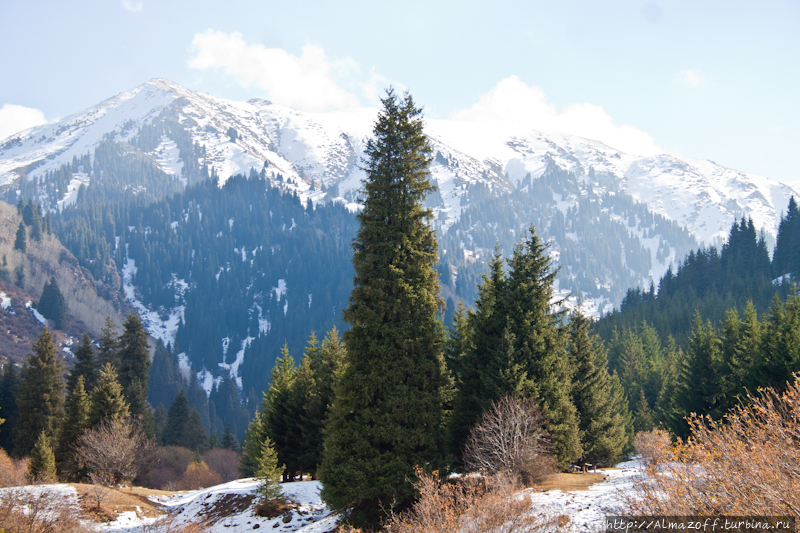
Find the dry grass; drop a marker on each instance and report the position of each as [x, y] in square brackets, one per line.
[119, 500]
[45, 511]
[567, 482]
[472, 505]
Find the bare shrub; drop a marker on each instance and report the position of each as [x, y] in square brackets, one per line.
[652, 445]
[112, 449]
[101, 483]
[40, 511]
[164, 466]
[471, 505]
[198, 476]
[510, 440]
[13, 472]
[224, 462]
[746, 464]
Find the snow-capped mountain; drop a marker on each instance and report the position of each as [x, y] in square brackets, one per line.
[317, 156]
[314, 150]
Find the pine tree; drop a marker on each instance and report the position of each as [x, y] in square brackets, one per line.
[107, 399]
[20, 242]
[601, 428]
[85, 365]
[51, 304]
[702, 390]
[108, 345]
[481, 340]
[279, 418]
[8, 403]
[134, 370]
[183, 426]
[541, 342]
[387, 413]
[40, 396]
[228, 440]
[42, 466]
[76, 421]
[269, 473]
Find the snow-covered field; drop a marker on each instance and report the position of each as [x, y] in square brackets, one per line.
[230, 507]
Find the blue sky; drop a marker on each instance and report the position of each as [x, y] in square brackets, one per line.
[700, 79]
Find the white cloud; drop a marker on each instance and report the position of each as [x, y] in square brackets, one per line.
[305, 82]
[514, 105]
[133, 6]
[692, 78]
[15, 118]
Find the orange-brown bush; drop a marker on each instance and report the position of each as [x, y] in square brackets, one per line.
[746, 464]
[471, 505]
[41, 511]
[164, 466]
[224, 462]
[510, 440]
[198, 476]
[13, 472]
[652, 445]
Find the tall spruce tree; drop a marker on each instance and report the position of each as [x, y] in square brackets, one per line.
[75, 422]
[51, 304]
[108, 350]
[107, 399]
[387, 413]
[602, 429]
[85, 365]
[40, 395]
[8, 404]
[21, 241]
[541, 342]
[134, 370]
[279, 418]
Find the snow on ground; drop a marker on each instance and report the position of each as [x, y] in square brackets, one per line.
[36, 313]
[230, 507]
[159, 328]
[587, 508]
[5, 300]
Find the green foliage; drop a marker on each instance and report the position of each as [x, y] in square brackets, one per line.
[8, 404]
[134, 371]
[387, 413]
[280, 419]
[514, 343]
[85, 365]
[601, 424]
[42, 466]
[51, 304]
[78, 410]
[21, 242]
[40, 397]
[183, 426]
[107, 399]
[228, 440]
[269, 474]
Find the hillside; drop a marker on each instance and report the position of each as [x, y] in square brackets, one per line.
[88, 302]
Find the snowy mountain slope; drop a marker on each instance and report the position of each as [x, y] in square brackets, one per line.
[315, 150]
[317, 156]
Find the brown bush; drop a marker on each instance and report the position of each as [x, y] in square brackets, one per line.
[510, 440]
[746, 464]
[13, 472]
[652, 445]
[44, 511]
[164, 466]
[198, 476]
[471, 505]
[224, 462]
